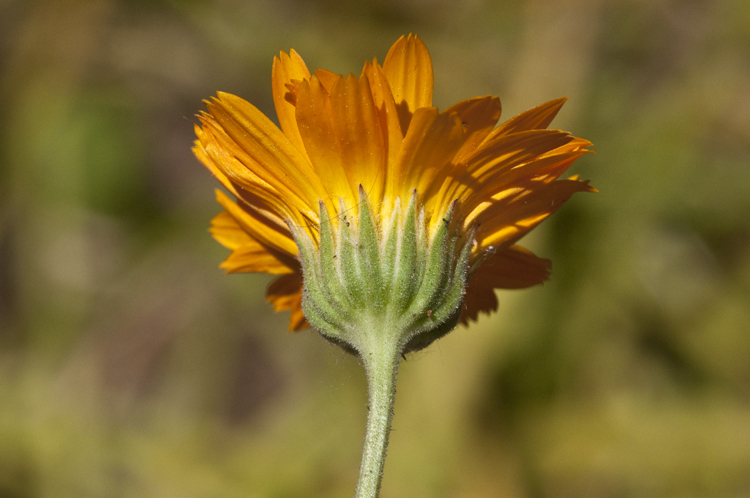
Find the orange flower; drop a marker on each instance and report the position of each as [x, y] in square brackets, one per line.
[380, 131]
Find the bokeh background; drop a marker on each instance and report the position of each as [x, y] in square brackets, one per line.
[130, 366]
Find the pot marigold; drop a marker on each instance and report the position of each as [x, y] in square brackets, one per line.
[370, 153]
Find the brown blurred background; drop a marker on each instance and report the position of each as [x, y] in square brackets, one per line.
[131, 367]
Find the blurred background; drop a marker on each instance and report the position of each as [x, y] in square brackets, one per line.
[130, 366]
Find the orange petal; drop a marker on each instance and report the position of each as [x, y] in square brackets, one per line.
[248, 255]
[285, 293]
[316, 128]
[255, 258]
[546, 168]
[238, 168]
[537, 118]
[478, 115]
[286, 69]
[259, 227]
[510, 218]
[508, 151]
[496, 157]
[227, 231]
[408, 67]
[246, 197]
[276, 160]
[429, 145]
[389, 123]
[510, 268]
[327, 78]
[200, 152]
[358, 136]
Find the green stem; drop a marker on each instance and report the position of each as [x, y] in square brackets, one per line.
[381, 365]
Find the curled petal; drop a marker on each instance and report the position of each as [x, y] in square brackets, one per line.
[513, 267]
[494, 158]
[233, 164]
[248, 255]
[543, 169]
[285, 293]
[259, 226]
[200, 152]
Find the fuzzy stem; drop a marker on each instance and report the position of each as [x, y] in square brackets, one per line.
[381, 365]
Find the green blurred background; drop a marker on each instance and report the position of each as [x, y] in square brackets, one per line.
[130, 366]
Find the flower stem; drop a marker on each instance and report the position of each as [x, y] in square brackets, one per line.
[381, 365]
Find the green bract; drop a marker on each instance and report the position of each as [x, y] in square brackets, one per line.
[396, 285]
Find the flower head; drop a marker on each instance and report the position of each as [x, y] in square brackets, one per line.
[367, 159]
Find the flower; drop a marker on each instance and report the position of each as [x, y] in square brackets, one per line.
[374, 144]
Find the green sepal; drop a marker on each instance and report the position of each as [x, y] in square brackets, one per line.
[368, 252]
[398, 286]
[390, 251]
[315, 290]
[329, 266]
[422, 246]
[444, 318]
[436, 268]
[405, 270]
[330, 331]
[348, 262]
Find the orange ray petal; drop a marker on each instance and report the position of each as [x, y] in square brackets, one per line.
[276, 160]
[429, 145]
[253, 257]
[227, 232]
[408, 67]
[359, 138]
[200, 152]
[317, 130]
[327, 78]
[496, 157]
[478, 115]
[285, 293]
[548, 167]
[243, 195]
[508, 151]
[286, 69]
[510, 218]
[537, 118]
[510, 268]
[224, 154]
[389, 123]
[248, 255]
[259, 227]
